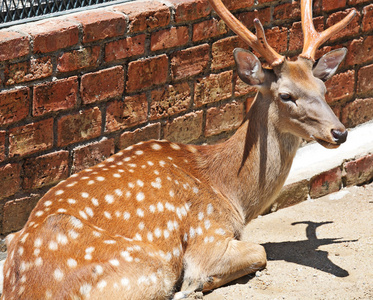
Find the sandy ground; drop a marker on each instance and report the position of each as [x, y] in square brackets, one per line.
[319, 249]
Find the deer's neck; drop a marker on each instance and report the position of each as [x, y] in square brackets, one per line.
[251, 167]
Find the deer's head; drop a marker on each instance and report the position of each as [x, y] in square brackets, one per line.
[296, 87]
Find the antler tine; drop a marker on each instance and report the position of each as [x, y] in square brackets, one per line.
[257, 42]
[312, 38]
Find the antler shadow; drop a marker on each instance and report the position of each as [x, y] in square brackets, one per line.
[306, 252]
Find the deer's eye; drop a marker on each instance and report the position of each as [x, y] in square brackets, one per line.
[286, 97]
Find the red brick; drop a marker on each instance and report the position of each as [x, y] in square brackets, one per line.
[287, 11]
[2, 144]
[184, 129]
[170, 100]
[326, 183]
[124, 48]
[247, 18]
[340, 87]
[16, 213]
[52, 34]
[277, 38]
[190, 61]
[360, 51]
[213, 88]
[208, 29]
[190, 10]
[365, 82]
[242, 88]
[13, 45]
[55, 95]
[329, 5]
[45, 170]
[359, 171]
[31, 138]
[368, 18]
[351, 29]
[10, 180]
[222, 52]
[145, 73]
[169, 38]
[357, 112]
[225, 118]
[78, 59]
[144, 15]
[89, 155]
[34, 68]
[102, 85]
[296, 34]
[14, 105]
[100, 24]
[238, 4]
[152, 131]
[79, 127]
[130, 112]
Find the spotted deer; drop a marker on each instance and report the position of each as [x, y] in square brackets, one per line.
[158, 214]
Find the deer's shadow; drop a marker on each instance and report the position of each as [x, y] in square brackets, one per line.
[305, 252]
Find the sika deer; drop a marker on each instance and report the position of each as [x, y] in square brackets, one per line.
[159, 212]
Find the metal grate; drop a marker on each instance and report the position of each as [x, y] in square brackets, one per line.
[19, 11]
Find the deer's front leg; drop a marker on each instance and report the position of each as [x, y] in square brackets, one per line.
[237, 259]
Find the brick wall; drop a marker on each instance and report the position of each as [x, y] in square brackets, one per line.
[78, 88]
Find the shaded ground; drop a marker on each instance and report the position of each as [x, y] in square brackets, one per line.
[319, 249]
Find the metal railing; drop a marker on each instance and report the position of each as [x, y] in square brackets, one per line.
[20, 11]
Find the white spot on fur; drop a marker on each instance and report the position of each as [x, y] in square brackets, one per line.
[83, 215]
[94, 201]
[114, 262]
[47, 203]
[109, 199]
[200, 216]
[140, 183]
[85, 195]
[71, 201]
[59, 192]
[175, 146]
[107, 215]
[85, 289]
[140, 196]
[101, 284]
[89, 211]
[62, 239]
[38, 242]
[58, 274]
[157, 232]
[71, 263]
[100, 178]
[210, 209]
[156, 146]
[140, 212]
[61, 210]
[39, 213]
[160, 206]
[126, 215]
[53, 246]
[150, 236]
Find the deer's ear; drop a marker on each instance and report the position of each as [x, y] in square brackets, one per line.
[249, 67]
[328, 64]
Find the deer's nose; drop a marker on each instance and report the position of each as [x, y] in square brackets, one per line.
[339, 136]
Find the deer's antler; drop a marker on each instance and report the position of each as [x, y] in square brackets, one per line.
[258, 42]
[312, 38]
